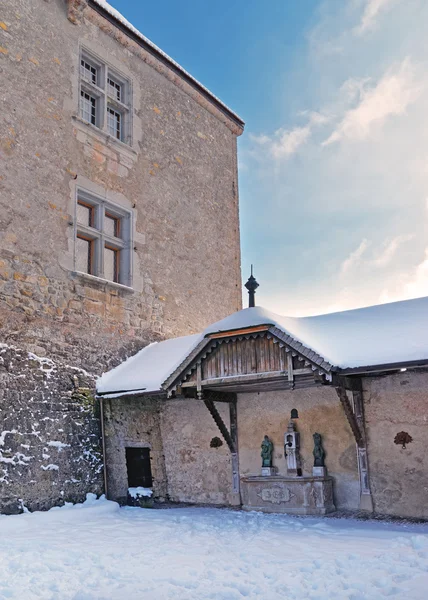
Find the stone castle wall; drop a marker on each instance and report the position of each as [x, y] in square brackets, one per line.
[178, 178]
[50, 449]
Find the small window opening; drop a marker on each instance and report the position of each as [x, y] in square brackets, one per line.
[88, 108]
[294, 413]
[111, 225]
[139, 467]
[85, 214]
[88, 71]
[115, 89]
[114, 123]
[84, 255]
[111, 264]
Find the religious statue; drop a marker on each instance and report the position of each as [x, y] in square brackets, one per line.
[319, 452]
[267, 451]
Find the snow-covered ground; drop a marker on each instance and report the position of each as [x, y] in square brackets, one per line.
[97, 551]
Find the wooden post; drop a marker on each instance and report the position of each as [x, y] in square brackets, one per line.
[231, 438]
[234, 435]
[366, 500]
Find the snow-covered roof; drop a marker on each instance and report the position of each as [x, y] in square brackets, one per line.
[119, 17]
[385, 334]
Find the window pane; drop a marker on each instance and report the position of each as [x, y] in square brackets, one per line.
[111, 264]
[88, 107]
[114, 123]
[88, 72]
[85, 215]
[112, 225]
[114, 89]
[83, 255]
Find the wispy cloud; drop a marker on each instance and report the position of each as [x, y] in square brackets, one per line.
[391, 96]
[355, 257]
[372, 10]
[389, 250]
[286, 142]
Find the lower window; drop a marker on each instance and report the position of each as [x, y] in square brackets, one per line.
[103, 239]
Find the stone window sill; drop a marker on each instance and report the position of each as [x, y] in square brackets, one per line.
[104, 283]
[104, 137]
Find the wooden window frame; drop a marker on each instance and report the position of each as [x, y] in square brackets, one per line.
[91, 248]
[91, 211]
[117, 222]
[116, 266]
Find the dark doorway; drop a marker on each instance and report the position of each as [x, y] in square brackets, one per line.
[139, 467]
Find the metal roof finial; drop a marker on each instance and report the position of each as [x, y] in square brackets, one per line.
[251, 286]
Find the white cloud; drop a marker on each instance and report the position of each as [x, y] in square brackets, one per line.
[261, 139]
[371, 12]
[287, 143]
[355, 257]
[392, 95]
[390, 248]
[418, 283]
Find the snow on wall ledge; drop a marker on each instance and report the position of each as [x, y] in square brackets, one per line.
[49, 433]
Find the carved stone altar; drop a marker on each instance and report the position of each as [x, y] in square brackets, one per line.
[293, 495]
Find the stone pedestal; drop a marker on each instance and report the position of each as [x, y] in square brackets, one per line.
[269, 471]
[319, 471]
[293, 495]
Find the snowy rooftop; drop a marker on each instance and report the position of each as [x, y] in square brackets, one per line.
[119, 17]
[395, 333]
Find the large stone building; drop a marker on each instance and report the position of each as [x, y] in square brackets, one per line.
[119, 214]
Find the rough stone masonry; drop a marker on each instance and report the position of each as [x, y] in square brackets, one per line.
[177, 178]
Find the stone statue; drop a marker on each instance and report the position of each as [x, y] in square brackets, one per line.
[319, 452]
[267, 451]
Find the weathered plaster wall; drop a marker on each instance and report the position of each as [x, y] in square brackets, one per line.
[49, 433]
[133, 422]
[398, 477]
[179, 177]
[195, 471]
[319, 411]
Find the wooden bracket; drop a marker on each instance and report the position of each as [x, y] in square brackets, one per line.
[350, 415]
[209, 403]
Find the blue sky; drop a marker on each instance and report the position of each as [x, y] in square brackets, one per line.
[334, 158]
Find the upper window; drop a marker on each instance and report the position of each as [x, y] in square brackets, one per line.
[105, 98]
[103, 239]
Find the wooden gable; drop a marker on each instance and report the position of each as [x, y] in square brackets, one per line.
[247, 360]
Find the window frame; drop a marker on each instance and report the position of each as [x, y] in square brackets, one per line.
[122, 243]
[104, 97]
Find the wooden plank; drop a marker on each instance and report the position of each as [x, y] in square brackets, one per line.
[245, 331]
[238, 378]
[239, 356]
[233, 416]
[290, 367]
